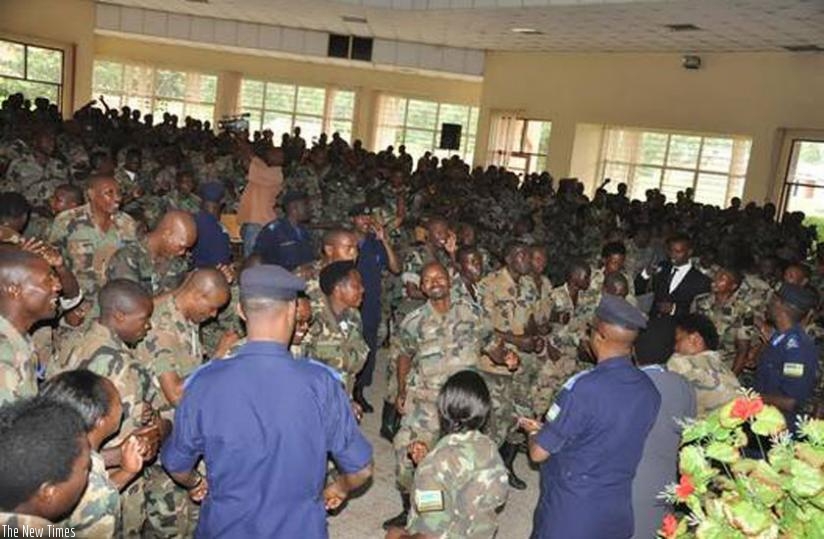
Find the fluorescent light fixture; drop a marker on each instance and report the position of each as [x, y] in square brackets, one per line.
[526, 31]
[354, 19]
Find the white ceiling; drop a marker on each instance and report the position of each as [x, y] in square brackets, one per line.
[567, 25]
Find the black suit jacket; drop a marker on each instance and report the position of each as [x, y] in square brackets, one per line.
[693, 284]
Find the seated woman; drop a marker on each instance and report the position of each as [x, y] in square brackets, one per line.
[461, 484]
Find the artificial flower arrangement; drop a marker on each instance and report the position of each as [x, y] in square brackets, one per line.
[727, 496]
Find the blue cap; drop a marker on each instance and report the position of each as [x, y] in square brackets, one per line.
[618, 311]
[270, 282]
[291, 196]
[799, 297]
[212, 191]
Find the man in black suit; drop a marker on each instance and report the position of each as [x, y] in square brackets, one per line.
[674, 282]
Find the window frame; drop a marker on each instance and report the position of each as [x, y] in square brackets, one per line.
[63, 68]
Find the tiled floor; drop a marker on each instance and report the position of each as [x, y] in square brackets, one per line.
[362, 517]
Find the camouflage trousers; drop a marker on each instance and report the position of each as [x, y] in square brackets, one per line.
[169, 511]
[551, 377]
[133, 508]
[523, 392]
[419, 424]
[502, 419]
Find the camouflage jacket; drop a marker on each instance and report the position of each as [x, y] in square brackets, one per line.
[543, 307]
[568, 336]
[85, 248]
[226, 320]
[458, 488]
[338, 343]
[714, 382]
[442, 344]
[414, 261]
[189, 203]
[34, 181]
[755, 292]
[100, 350]
[19, 522]
[18, 372]
[734, 321]
[172, 345]
[97, 514]
[134, 262]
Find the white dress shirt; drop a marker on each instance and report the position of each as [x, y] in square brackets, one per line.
[678, 274]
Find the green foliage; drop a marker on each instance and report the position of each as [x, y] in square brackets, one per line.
[724, 495]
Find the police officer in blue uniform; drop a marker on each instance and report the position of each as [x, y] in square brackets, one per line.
[787, 370]
[285, 241]
[595, 433]
[264, 425]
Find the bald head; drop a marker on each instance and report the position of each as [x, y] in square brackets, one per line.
[616, 284]
[176, 233]
[123, 296]
[28, 288]
[16, 265]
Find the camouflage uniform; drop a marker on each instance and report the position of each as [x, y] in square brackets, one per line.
[18, 371]
[756, 293]
[34, 181]
[307, 180]
[226, 320]
[597, 283]
[543, 307]
[97, 514]
[19, 521]
[86, 249]
[338, 343]
[134, 262]
[189, 203]
[815, 404]
[101, 351]
[508, 306]
[715, 384]
[466, 474]
[733, 320]
[439, 345]
[172, 345]
[566, 338]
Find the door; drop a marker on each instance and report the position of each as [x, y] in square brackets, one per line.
[804, 178]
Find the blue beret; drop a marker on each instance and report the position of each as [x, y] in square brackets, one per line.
[212, 191]
[799, 297]
[291, 196]
[271, 282]
[618, 311]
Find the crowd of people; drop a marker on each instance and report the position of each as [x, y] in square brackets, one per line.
[190, 321]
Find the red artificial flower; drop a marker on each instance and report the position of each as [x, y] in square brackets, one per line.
[684, 488]
[744, 408]
[669, 526]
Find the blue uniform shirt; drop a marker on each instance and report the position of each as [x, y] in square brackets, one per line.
[595, 434]
[213, 244]
[788, 367]
[264, 425]
[372, 260]
[283, 244]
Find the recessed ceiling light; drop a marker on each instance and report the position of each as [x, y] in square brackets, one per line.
[354, 18]
[682, 27]
[526, 31]
[804, 48]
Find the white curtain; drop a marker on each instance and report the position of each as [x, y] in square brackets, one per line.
[389, 121]
[505, 132]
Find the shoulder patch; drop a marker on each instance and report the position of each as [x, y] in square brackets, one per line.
[553, 412]
[792, 343]
[793, 370]
[569, 384]
[429, 501]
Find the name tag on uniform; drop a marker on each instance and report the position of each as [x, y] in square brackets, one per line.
[553, 412]
[428, 501]
[794, 370]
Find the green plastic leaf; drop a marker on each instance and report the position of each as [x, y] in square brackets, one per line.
[781, 456]
[716, 529]
[725, 417]
[769, 421]
[806, 481]
[812, 455]
[813, 430]
[723, 452]
[749, 517]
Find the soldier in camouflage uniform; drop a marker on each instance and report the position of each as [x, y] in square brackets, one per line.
[435, 341]
[470, 272]
[35, 175]
[613, 259]
[461, 484]
[509, 297]
[28, 294]
[87, 236]
[158, 261]
[337, 245]
[696, 358]
[308, 178]
[183, 197]
[172, 351]
[335, 337]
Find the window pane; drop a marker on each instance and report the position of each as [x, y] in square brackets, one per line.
[280, 97]
[645, 178]
[171, 84]
[143, 104]
[204, 113]
[28, 89]
[12, 59]
[393, 110]
[139, 80]
[113, 100]
[343, 104]
[343, 128]
[167, 105]
[683, 151]
[311, 100]
[278, 123]
[716, 154]
[473, 121]
[388, 136]
[418, 142]
[255, 116]
[454, 114]
[251, 94]
[536, 138]
[45, 65]
[712, 189]
[617, 173]
[200, 87]
[422, 114]
[674, 181]
[108, 76]
[310, 127]
[653, 148]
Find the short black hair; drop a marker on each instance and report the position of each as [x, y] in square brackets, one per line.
[73, 191]
[733, 272]
[698, 323]
[514, 244]
[13, 205]
[120, 295]
[679, 237]
[83, 390]
[463, 403]
[334, 274]
[616, 278]
[39, 440]
[464, 252]
[613, 248]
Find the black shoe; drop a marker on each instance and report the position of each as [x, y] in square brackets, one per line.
[399, 521]
[360, 399]
[508, 453]
[389, 421]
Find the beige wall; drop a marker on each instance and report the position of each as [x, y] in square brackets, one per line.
[749, 94]
[65, 24]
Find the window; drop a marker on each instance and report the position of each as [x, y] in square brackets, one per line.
[714, 166]
[804, 183]
[282, 107]
[519, 144]
[156, 90]
[417, 125]
[34, 71]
